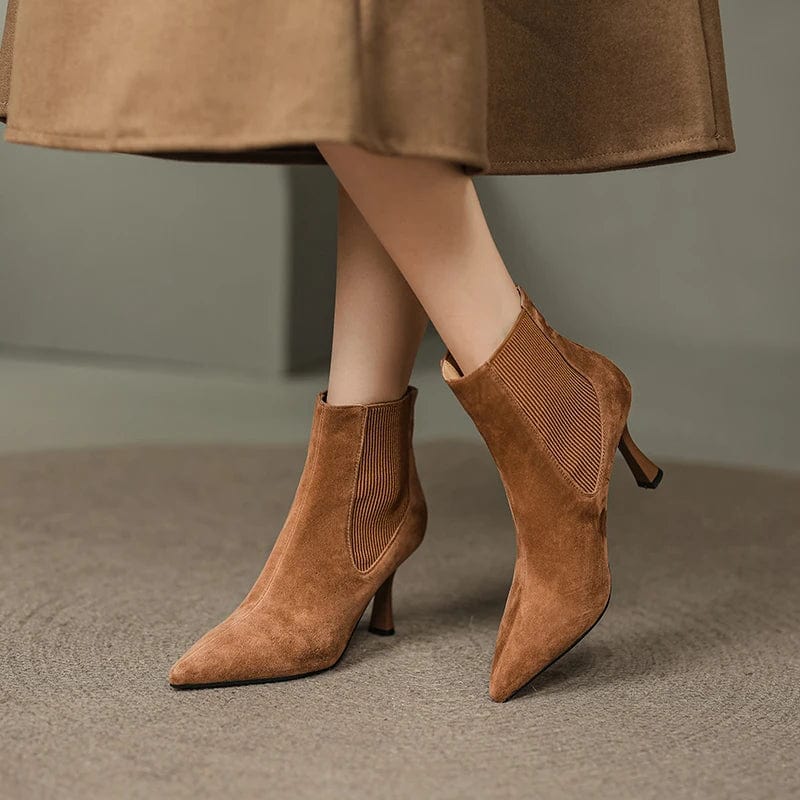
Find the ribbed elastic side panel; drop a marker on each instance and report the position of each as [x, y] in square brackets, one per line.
[381, 491]
[560, 402]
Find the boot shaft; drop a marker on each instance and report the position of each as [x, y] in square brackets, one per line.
[574, 400]
[360, 466]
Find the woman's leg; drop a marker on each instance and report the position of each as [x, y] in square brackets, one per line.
[378, 321]
[427, 215]
[551, 412]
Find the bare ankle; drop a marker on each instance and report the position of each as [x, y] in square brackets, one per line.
[487, 337]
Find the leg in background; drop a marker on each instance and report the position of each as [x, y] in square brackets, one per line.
[426, 214]
[359, 510]
[378, 321]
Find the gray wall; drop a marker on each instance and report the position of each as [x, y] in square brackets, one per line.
[686, 274]
[141, 257]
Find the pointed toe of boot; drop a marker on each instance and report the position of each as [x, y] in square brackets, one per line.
[515, 667]
[182, 673]
[217, 658]
[186, 672]
[532, 637]
[519, 656]
[198, 666]
[501, 687]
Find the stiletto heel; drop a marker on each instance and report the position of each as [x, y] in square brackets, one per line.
[648, 475]
[382, 621]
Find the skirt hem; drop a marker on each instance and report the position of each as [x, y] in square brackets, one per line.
[685, 149]
[278, 146]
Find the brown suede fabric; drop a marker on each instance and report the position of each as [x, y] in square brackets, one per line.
[497, 86]
[555, 462]
[300, 613]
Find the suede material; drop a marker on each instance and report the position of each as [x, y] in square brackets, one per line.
[561, 581]
[300, 613]
[497, 86]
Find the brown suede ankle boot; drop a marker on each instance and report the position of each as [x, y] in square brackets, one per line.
[358, 513]
[552, 414]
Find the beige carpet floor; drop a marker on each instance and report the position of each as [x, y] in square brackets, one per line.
[113, 560]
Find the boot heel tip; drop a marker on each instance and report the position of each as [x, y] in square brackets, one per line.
[381, 631]
[653, 483]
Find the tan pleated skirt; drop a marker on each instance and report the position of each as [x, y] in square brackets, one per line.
[496, 86]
